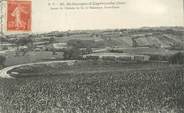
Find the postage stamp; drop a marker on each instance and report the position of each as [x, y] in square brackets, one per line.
[19, 15]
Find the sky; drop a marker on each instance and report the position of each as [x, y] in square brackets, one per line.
[133, 14]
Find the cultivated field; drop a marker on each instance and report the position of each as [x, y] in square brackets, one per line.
[138, 91]
[106, 85]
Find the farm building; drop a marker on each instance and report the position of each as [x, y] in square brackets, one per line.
[56, 46]
[60, 45]
[117, 56]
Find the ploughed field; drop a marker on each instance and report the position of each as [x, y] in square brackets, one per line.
[155, 90]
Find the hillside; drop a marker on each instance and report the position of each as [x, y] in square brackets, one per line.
[163, 37]
[160, 37]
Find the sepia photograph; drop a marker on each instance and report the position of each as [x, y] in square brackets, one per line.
[110, 56]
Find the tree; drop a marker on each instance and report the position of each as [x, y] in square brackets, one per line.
[2, 61]
[89, 50]
[72, 53]
[24, 42]
[177, 58]
[51, 41]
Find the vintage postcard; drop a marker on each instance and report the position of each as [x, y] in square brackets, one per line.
[92, 56]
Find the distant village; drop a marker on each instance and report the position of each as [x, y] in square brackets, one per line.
[121, 45]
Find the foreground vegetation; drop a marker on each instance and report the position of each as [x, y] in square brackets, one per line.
[143, 91]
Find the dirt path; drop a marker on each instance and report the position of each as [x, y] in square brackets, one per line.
[4, 72]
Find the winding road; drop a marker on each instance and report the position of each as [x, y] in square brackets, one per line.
[4, 72]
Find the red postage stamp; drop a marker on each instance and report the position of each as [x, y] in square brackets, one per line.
[18, 15]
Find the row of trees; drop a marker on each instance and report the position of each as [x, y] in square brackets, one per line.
[177, 58]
